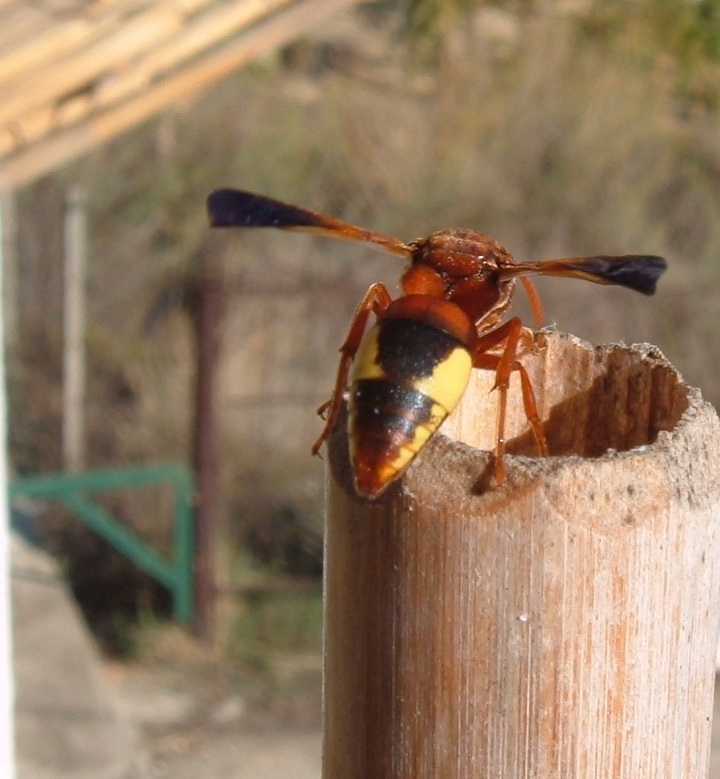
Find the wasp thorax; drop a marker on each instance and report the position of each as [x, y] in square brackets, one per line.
[460, 253]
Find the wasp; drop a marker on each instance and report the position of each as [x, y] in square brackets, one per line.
[405, 374]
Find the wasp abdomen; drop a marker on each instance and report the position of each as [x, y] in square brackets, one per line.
[407, 377]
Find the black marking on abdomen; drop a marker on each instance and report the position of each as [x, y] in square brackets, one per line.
[409, 350]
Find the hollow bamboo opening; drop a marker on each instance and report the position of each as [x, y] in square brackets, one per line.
[591, 400]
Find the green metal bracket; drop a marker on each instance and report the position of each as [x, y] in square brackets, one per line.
[72, 491]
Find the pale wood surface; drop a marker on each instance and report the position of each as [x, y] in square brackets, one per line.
[564, 625]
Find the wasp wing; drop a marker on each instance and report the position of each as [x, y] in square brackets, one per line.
[236, 208]
[639, 272]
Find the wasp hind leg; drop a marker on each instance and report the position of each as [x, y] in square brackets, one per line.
[376, 300]
[511, 333]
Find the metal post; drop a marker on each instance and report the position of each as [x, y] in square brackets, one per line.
[7, 750]
[8, 253]
[74, 332]
[205, 300]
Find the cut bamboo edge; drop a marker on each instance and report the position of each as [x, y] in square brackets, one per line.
[562, 625]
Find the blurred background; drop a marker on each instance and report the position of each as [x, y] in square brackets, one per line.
[559, 128]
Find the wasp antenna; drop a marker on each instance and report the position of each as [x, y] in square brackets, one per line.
[237, 208]
[638, 272]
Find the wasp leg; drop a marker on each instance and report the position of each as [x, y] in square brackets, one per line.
[534, 300]
[376, 300]
[512, 332]
[322, 409]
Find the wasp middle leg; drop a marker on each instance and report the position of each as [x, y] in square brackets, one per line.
[376, 300]
[509, 335]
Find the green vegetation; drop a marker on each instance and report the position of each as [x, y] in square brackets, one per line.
[273, 625]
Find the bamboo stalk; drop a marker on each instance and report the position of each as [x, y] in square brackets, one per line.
[562, 626]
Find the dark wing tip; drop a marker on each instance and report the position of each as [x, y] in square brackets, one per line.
[638, 272]
[641, 272]
[237, 208]
[230, 207]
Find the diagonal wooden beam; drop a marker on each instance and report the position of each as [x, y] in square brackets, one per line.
[59, 107]
[33, 39]
[40, 158]
[106, 54]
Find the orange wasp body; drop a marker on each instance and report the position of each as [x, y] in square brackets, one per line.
[409, 371]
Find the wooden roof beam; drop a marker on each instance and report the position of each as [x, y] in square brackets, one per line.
[106, 54]
[37, 160]
[207, 31]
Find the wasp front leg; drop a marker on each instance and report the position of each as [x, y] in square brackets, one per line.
[511, 333]
[376, 300]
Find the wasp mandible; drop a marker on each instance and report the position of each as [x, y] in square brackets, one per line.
[408, 372]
